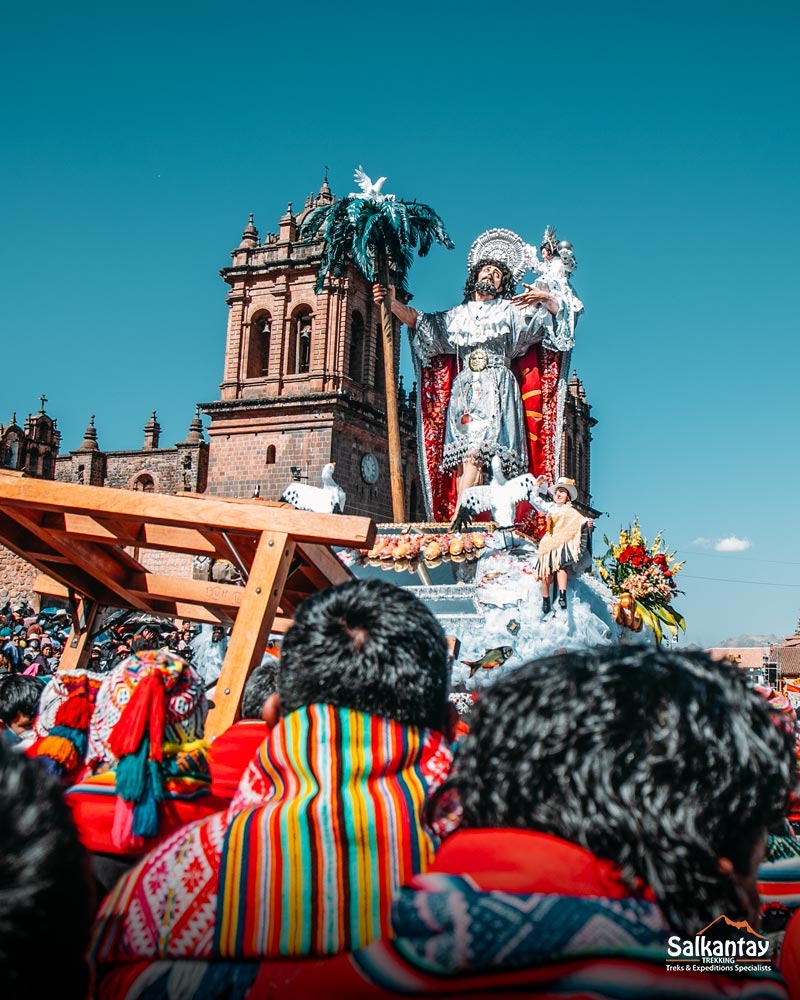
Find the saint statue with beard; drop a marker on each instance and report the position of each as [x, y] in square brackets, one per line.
[475, 401]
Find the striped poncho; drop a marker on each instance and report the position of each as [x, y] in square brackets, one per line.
[328, 824]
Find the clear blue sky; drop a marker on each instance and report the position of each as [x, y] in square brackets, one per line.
[664, 145]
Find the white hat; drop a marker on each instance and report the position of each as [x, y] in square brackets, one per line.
[564, 483]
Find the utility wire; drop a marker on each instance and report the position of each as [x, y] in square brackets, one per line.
[752, 583]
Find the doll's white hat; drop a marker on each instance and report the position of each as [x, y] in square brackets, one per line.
[564, 483]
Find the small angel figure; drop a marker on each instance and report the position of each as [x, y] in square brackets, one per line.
[565, 544]
[553, 273]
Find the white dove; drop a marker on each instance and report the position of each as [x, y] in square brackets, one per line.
[500, 497]
[326, 499]
[368, 189]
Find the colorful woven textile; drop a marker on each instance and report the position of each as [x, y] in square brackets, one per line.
[63, 721]
[185, 706]
[310, 869]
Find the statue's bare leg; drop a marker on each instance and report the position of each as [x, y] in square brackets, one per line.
[469, 474]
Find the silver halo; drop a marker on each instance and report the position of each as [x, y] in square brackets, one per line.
[501, 245]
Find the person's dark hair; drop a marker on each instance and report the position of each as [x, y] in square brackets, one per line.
[46, 895]
[369, 646]
[506, 288]
[661, 762]
[18, 694]
[261, 683]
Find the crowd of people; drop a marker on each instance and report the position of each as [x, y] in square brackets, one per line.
[352, 836]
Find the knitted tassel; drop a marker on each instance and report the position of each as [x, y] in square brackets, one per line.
[77, 737]
[132, 773]
[156, 780]
[145, 708]
[145, 810]
[59, 750]
[75, 712]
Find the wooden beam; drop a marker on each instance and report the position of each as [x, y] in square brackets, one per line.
[214, 595]
[76, 648]
[253, 623]
[326, 562]
[28, 546]
[205, 514]
[110, 570]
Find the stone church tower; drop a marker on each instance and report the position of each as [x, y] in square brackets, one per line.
[303, 380]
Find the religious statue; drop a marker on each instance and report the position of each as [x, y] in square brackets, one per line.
[490, 372]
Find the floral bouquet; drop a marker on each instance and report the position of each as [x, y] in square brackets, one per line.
[642, 577]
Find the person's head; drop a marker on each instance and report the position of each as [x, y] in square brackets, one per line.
[261, 683]
[179, 690]
[46, 899]
[19, 703]
[664, 763]
[492, 277]
[369, 646]
[564, 490]
[217, 633]
[47, 648]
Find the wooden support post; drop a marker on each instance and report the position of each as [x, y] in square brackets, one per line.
[392, 417]
[260, 602]
[76, 650]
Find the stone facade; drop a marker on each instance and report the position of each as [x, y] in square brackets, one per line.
[303, 381]
[182, 467]
[16, 578]
[576, 440]
[32, 449]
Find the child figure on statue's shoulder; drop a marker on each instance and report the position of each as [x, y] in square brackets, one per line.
[566, 541]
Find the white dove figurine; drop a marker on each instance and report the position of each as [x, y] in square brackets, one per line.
[500, 497]
[326, 499]
[368, 189]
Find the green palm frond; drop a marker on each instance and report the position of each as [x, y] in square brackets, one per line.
[372, 234]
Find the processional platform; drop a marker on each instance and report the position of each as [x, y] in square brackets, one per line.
[86, 542]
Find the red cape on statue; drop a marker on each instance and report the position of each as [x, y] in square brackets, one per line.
[537, 372]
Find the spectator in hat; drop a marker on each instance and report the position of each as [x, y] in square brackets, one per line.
[360, 738]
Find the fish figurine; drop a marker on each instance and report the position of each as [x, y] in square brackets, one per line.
[491, 658]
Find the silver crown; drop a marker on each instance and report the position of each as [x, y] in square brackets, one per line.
[501, 245]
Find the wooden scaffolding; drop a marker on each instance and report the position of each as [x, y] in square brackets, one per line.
[86, 542]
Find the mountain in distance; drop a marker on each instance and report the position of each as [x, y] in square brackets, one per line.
[748, 641]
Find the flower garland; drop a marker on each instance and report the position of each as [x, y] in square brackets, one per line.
[642, 576]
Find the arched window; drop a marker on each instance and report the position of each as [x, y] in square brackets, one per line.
[271, 455]
[300, 342]
[47, 465]
[380, 374]
[259, 345]
[355, 366]
[144, 483]
[11, 452]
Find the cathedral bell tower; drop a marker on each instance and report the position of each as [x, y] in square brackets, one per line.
[303, 380]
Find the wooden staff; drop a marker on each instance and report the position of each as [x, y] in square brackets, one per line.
[392, 417]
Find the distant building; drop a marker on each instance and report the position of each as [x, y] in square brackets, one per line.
[754, 659]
